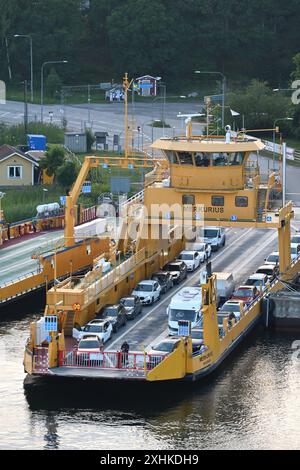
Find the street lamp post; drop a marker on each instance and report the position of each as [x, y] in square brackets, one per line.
[27, 36]
[1, 218]
[223, 90]
[274, 135]
[165, 99]
[42, 82]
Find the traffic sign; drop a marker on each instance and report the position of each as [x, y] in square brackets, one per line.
[234, 218]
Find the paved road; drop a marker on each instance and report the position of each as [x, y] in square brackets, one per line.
[15, 260]
[109, 117]
[245, 251]
[104, 117]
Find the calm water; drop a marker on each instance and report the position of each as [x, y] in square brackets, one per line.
[254, 402]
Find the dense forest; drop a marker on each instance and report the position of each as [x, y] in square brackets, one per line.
[101, 39]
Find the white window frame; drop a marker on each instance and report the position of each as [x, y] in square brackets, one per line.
[15, 177]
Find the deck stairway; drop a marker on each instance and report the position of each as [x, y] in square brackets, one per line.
[69, 324]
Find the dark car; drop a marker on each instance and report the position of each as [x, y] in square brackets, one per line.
[115, 314]
[132, 305]
[165, 280]
[177, 269]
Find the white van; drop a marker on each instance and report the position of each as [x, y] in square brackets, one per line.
[185, 305]
[215, 236]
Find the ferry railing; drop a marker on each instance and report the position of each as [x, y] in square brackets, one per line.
[138, 361]
[97, 286]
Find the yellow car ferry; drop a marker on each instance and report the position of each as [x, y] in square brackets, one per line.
[210, 180]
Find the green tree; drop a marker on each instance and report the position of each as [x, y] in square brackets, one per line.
[53, 83]
[54, 159]
[90, 139]
[259, 105]
[67, 174]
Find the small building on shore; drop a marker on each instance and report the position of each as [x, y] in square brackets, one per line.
[17, 168]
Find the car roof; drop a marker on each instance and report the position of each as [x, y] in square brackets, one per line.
[294, 245]
[147, 282]
[96, 322]
[171, 339]
[246, 287]
[257, 276]
[274, 253]
[90, 337]
[188, 252]
[267, 266]
[233, 301]
[112, 306]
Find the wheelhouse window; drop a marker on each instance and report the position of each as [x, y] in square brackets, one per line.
[220, 159]
[171, 156]
[241, 201]
[185, 158]
[14, 172]
[202, 159]
[188, 199]
[217, 201]
[236, 158]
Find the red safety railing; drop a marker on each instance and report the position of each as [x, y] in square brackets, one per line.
[109, 360]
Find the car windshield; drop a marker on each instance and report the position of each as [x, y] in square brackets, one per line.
[243, 293]
[160, 277]
[173, 267]
[128, 302]
[166, 346]
[186, 257]
[295, 239]
[144, 288]
[230, 308]
[111, 311]
[273, 258]
[294, 250]
[268, 272]
[209, 233]
[197, 334]
[179, 314]
[255, 282]
[201, 248]
[88, 345]
[93, 328]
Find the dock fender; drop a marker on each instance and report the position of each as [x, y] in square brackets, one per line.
[265, 306]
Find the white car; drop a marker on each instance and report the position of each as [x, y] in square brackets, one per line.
[295, 251]
[192, 259]
[260, 280]
[148, 292]
[273, 258]
[296, 238]
[101, 328]
[157, 352]
[89, 351]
